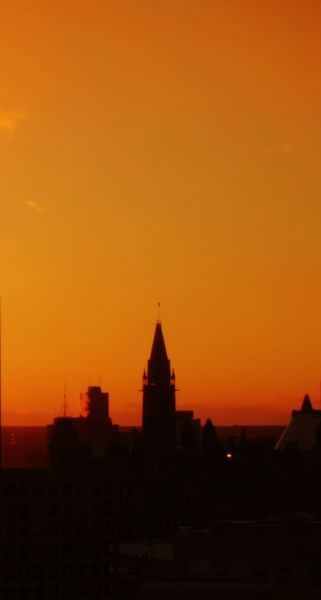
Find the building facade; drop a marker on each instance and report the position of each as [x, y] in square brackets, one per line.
[58, 534]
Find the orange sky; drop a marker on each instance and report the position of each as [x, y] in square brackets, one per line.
[161, 151]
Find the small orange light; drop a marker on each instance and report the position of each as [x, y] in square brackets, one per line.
[229, 455]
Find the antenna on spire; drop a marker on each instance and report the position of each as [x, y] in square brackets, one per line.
[0, 383]
[158, 311]
[65, 406]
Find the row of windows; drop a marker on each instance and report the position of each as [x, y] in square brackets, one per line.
[56, 571]
[52, 489]
[81, 591]
[26, 553]
[63, 530]
[53, 509]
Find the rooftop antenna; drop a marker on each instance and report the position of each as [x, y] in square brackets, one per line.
[65, 406]
[0, 383]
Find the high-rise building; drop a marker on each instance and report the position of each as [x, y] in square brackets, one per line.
[159, 404]
[83, 438]
[96, 405]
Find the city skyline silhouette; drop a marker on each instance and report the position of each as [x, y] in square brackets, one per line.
[160, 289]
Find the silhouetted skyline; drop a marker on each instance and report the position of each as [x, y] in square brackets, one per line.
[88, 511]
[160, 283]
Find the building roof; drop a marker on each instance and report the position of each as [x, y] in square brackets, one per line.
[158, 352]
[302, 428]
[158, 370]
[306, 404]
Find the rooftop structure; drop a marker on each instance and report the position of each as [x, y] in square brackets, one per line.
[303, 429]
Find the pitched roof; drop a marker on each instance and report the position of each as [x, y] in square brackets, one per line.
[306, 404]
[158, 371]
[302, 428]
[158, 352]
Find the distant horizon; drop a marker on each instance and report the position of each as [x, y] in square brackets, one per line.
[261, 415]
[227, 426]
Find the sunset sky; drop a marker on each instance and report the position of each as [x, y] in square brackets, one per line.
[160, 151]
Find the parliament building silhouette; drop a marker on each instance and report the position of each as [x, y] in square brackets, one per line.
[168, 509]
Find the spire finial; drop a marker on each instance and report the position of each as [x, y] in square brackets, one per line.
[0, 382]
[158, 311]
[65, 406]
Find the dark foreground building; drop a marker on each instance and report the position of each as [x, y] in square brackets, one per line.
[197, 516]
[233, 560]
[57, 535]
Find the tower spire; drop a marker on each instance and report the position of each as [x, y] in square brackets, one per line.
[65, 400]
[159, 408]
[158, 370]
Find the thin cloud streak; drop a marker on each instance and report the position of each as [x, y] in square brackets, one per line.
[34, 206]
[286, 148]
[9, 121]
